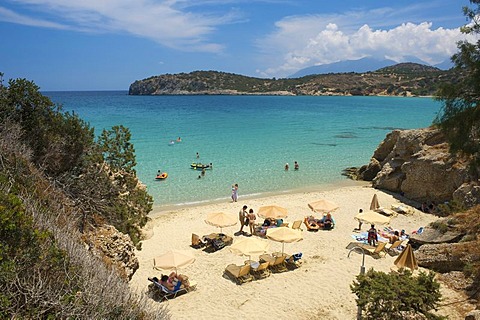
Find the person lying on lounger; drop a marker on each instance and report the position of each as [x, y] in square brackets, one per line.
[174, 281]
[311, 223]
[327, 222]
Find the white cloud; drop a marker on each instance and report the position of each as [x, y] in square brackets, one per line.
[10, 16]
[160, 21]
[301, 42]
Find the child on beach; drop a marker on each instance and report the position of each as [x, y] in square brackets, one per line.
[235, 192]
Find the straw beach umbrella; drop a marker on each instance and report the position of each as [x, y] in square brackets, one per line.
[272, 211]
[374, 205]
[323, 206]
[284, 234]
[249, 247]
[407, 259]
[221, 220]
[173, 259]
[372, 217]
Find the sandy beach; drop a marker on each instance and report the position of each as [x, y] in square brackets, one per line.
[319, 289]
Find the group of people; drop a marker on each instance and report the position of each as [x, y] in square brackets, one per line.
[247, 218]
[326, 222]
[296, 166]
[391, 235]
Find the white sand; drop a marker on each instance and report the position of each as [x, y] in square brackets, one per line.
[319, 289]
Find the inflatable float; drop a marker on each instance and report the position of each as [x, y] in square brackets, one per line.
[199, 166]
[161, 176]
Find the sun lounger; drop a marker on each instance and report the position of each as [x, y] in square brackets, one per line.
[239, 274]
[310, 227]
[401, 208]
[297, 224]
[197, 243]
[376, 252]
[164, 293]
[386, 212]
[392, 248]
[276, 263]
[261, 271]
[294, 261]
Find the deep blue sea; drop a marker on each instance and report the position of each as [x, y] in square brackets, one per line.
[247, 138]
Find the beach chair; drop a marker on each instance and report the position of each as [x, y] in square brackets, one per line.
[239, 274]
[164, 293]
[197, 242]
[386, 212]
[309, 227]
[267, 258]
[278, 264]
[294, 261]
[391, 248]
[403, 209]
[261, 271]
[297, 224]
[376, 252]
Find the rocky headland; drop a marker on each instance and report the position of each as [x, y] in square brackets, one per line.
[404, 79]
[417, 166]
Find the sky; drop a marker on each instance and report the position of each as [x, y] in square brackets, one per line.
[108, 44]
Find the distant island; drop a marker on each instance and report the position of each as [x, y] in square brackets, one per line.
[403, 79]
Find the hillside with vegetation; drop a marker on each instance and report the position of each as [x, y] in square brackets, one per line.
[404, 79]
[57, 185]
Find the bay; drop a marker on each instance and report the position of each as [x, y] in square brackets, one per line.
[248, 139]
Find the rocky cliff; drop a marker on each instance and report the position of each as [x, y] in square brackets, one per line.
[417, 164]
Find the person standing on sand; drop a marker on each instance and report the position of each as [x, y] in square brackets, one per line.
[235, 192]
[359, 222]
[251, 220]
[242, 215]
[372, 236]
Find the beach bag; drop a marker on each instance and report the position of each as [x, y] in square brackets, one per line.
[247, 221]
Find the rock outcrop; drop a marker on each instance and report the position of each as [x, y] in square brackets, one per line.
[434, 236]
[444, 257]
[417, 163]
[115, 248]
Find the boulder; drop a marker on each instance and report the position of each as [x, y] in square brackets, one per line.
[444, 257]
[473, 315]
[370, 171]
[468, 194]
[432, 236]
[417, 163]
[115, 247]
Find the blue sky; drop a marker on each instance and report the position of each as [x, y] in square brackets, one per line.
[108, 44]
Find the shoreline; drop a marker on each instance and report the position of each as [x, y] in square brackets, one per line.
[319, 289]
[159, 209]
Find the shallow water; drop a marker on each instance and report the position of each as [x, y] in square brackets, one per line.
[247, 138]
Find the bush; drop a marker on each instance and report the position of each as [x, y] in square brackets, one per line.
[396, 295]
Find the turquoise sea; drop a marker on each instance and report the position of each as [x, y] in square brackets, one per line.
[247, 138]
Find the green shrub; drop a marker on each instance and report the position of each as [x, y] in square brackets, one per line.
[396, 295]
